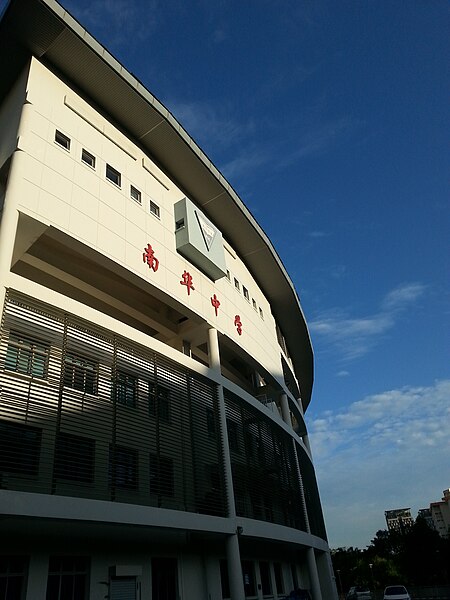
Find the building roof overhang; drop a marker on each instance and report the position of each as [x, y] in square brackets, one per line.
[44, 29]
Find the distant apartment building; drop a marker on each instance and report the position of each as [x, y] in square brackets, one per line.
[398, 519]
[440, 513]
[425, 515]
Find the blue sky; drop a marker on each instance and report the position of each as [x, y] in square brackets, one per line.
[331, 121]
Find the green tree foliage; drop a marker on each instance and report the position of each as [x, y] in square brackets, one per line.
[418, 556]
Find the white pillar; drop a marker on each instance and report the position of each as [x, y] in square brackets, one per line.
[313, 574]
[285, 412]
[237, 591]
[8, 228]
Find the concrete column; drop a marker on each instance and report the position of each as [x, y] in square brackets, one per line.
[313, 574]
[237, 591]
[285, 412]
[8, 228]
[37, 577]
[310, 556]
[232, 544]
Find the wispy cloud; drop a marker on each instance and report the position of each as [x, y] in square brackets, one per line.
[355, 336]
[210, 124]
[390, 449]
[121, 20]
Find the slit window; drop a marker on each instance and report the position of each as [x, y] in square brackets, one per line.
[62, 140]
[159, 402]
[28, 356]
[161, 475]
[126, 389]
[154, 209]
[261, 314]
[88, 158]
[113, 175]
[237, 285]
[246, 294]
[123, 468]
[254, 304]
[135, 194]
[20, 448]
[228, 275]
[75, 458]
[80, 373]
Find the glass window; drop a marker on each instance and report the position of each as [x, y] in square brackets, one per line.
[62, 140]
[123, 468]
[25, 355]
[211, 422]
[159, 402]
[80, 373]
[88, 158]
[278, 571]
[246, 294]
[266, 584]
[126, 389]
[75, 458]
[135, 194]
[154, 209]
[224, 580]
[161, 475]
[13, 571]
[68, 578]
[233, 438]
[261, 314]
[20, 448]
[237, 285]
[228, 275]
[113, 175]
[248, 574]
[254, 304]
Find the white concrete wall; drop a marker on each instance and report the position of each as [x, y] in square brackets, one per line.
[57, 188]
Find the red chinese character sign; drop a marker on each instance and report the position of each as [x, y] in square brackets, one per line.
[215, 302]
[187, 281]
[150, 258]
[238, 324]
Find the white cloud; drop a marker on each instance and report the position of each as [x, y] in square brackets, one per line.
[402, 295]
[385, 451]
[354, 337]
[343, 373]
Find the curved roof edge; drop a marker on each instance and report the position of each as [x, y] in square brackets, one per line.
[43, 28]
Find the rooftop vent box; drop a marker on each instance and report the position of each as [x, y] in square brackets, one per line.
[198, 240]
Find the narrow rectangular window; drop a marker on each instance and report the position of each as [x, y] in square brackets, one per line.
[135, 194]
[159, 402]
[80, 373]
[62, 140]
[28, 356]
[13, 570]
[211, 423]
[278, 577]
[228, 275]
[261, 314]
[246, 294]
[161, 475]
[20, 448]
[126, 389]
[237, 285]
[68, 578]
[75, 458]
[113, 175]
[266, 584]
[254, 304]
[88, 158]
[154, 209]
[233, 438]
[123, 468]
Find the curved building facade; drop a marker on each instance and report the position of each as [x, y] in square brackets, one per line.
[155, 363]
